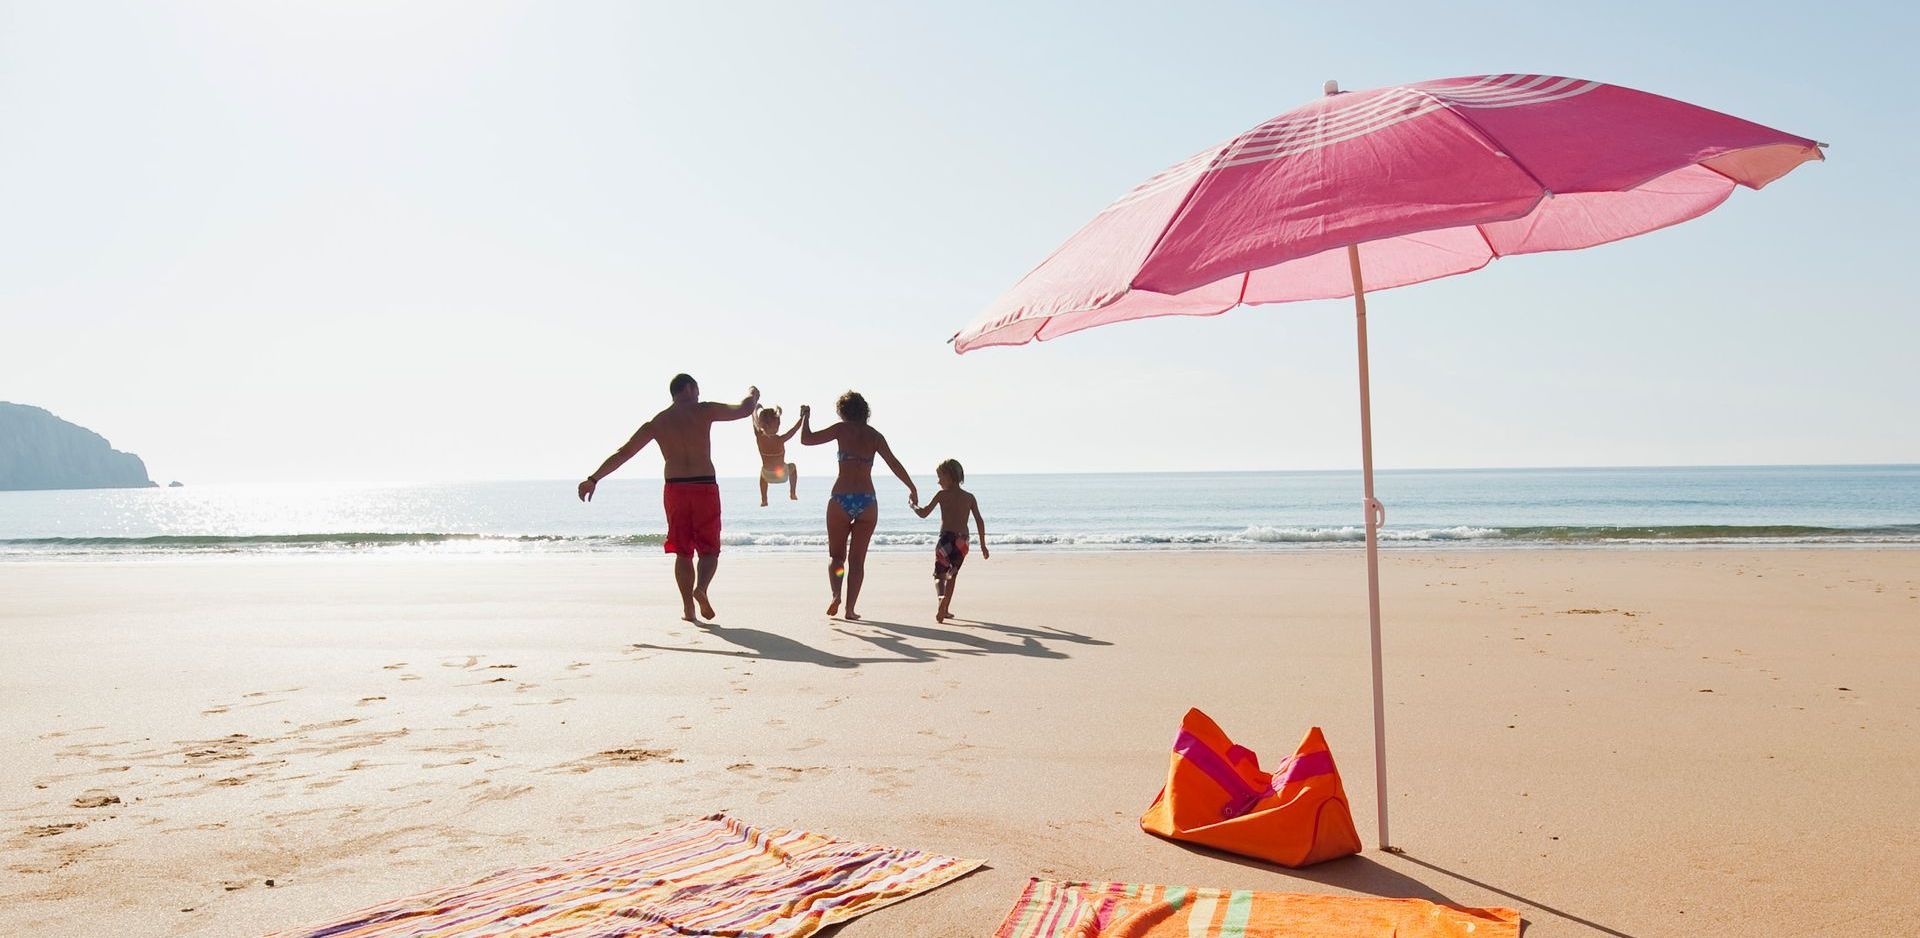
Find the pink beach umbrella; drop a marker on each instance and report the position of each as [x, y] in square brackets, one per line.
[1386, 188]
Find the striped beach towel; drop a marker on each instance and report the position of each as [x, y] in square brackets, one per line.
[714, 876]
[1049, 909]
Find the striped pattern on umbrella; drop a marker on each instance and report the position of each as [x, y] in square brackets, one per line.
[1049, 909]
[714, 876]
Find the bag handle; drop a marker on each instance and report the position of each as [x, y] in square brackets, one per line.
[1241, 797]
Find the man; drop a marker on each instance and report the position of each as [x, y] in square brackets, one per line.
[691, 496]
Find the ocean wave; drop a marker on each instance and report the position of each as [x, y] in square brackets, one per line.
[342, 540]
[1249, 538]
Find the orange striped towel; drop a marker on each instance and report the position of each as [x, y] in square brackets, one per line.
[1049, 909]
[715, 876]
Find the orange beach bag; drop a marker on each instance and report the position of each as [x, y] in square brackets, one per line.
[1217, 796]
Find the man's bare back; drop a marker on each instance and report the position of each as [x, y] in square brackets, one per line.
[684, 432]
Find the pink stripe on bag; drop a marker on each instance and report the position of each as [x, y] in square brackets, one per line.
[1241, 796]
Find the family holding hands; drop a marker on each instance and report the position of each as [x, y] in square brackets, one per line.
[692, 493]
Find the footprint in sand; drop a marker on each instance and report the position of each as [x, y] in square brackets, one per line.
[367, 700]
[54, 830]
[811, 742]
[889, 780]
[349, 741]
[234, 746]
[210, 711]
[394, 666]
[470, 662]
[95, 799]
[328, 725]
[502, 793]
[470, 710]
[610, 758]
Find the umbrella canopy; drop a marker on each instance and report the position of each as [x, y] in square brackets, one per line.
[1435, 178]
[1390, 187]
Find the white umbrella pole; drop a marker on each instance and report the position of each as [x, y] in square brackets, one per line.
[1376, 516]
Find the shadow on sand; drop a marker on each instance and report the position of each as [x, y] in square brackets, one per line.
[899, 643]
[1361, 873]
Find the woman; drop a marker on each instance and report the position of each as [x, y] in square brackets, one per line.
[852, 510]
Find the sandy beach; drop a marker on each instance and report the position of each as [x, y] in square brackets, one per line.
[1616, 742]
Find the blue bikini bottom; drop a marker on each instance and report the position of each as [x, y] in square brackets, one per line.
[855, 504]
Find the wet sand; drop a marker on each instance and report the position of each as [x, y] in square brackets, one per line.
[1616, 742]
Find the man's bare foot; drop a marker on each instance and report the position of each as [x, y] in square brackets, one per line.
[793, 496]
[706, 608]
[687, 614]
[942, 616]
[763, 501]
[833, 608]
[851, 615]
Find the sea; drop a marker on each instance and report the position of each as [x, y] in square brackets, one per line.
[1455, 509]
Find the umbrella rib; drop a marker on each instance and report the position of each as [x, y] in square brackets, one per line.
[1487, 138]
[1482, 232]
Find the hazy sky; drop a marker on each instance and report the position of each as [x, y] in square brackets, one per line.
[396, 241]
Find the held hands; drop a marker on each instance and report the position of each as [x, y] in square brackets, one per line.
[586, 489]
[753, 396]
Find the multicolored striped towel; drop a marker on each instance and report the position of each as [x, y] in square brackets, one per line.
[1049, 909]
[715, 876]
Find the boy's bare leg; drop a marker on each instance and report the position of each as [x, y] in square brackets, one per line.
[946, 598]
[763, 491]
[703, 577]
[793, 482]
[683, 577]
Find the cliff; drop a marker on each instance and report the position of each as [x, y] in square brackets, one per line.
[41, 451]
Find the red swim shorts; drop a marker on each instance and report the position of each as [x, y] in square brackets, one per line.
[693, 517]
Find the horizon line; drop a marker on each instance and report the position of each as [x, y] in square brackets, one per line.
[1126, 472]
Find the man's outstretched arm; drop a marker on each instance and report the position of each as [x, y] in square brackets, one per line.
[627, 450]
[719, 412]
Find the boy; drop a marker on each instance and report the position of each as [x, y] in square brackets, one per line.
[955, 504]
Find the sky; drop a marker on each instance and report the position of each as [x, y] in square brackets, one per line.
[351, 241]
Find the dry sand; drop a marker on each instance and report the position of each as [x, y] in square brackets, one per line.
[1619, 742]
